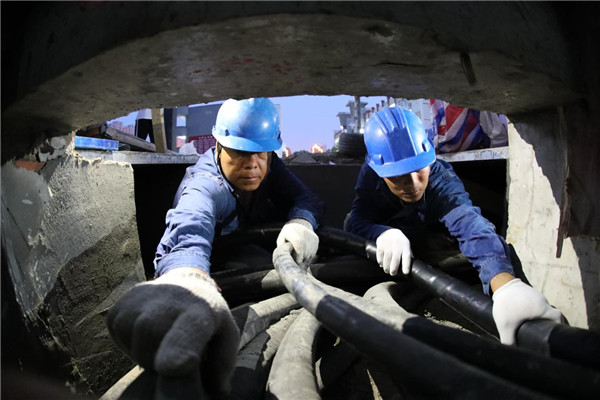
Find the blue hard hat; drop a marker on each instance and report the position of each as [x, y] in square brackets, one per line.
[248, 125]
[397, 143]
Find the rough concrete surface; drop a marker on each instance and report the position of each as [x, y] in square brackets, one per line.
[204, 52]
[571, 282]
[61, 212]
[70, 236]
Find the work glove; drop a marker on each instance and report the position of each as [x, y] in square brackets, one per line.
[176, 322]
[516, 302]
[393, 247]
[299, 232]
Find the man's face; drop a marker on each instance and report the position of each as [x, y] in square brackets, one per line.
[244, 170]
[410, 187]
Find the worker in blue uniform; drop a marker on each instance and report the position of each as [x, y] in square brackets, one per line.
[177, 320]
[407, 201]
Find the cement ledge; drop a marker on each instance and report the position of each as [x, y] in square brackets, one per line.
[140, 157]
[497, 153]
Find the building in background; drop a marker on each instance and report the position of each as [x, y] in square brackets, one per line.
[194, 124]
[118, 125]
[421, 108]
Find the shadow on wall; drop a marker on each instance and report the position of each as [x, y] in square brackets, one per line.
[547, 137]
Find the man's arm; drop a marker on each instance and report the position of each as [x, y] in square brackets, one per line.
[190, 230]
[514, 301]
[449, 202]
[363, 215]
[478, 240]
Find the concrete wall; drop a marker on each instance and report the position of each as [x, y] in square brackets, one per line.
[164, 54]
[69, 237]
[571, 282]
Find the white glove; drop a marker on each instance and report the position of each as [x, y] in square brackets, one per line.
[304, 240]
[392, 247]
[165, 324]
[517, 302]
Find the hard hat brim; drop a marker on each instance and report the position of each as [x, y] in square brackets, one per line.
[243, 144]
[403, 167]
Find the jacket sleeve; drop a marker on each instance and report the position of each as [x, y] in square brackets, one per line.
[477, 237]
[188, 238]
[290, 192]
[365, 215]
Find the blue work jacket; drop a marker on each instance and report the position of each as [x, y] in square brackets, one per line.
[445, 206]
[206, 205]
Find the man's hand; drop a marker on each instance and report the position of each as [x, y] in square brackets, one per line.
[516, 302]
[393, 247]
[175, 322]
[299, 232]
